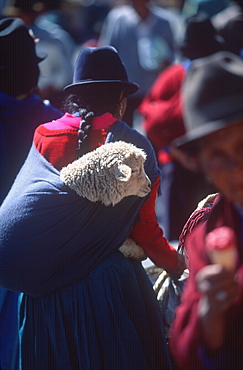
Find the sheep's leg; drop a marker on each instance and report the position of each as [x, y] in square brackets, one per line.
[130, 249]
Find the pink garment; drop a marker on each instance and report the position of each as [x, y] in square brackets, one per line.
[98, 123]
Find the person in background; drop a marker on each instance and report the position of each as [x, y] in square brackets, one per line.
[207, 329]
[144, 40]
[21, 112]
[229, 24]
[54, 44]
[174, 11]
[163, 122]
[81, 19]
[69, 262]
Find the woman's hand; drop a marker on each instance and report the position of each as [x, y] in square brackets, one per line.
[220, 290]
[181, 266]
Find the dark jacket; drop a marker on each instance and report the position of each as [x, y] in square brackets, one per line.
[18, 120]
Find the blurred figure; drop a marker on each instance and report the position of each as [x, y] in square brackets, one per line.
[175, 10]
[21, 109]
[229, 24]
[144, 40]
[21, 112]
[54, 44]
[174, 5]
[181, 189]
[208, 328]
[82, 19]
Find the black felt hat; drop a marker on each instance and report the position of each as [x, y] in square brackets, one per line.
[232, 32]
[212, 97]
[200, 38]
[19, 69]
[100, 65]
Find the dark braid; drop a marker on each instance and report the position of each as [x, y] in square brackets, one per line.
[89, 101]
[83, 132]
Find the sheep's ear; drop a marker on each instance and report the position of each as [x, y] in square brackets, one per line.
[122, 172]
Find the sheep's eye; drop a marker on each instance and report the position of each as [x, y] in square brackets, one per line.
[134, 170]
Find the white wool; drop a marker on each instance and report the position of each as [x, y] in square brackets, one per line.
[130, 249]
[109, 173]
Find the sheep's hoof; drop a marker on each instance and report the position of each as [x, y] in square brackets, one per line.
[130, 249]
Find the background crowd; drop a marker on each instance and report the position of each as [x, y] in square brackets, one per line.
[158, 42]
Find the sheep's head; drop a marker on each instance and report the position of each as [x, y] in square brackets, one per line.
[109, 173]
[132, 176]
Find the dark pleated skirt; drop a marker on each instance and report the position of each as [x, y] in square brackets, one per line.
[109, 320]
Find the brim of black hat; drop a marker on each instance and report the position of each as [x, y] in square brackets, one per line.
[194, 51]
[189, 141]
[130, 87]
[35, 60]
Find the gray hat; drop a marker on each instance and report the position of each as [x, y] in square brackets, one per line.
[212, 97]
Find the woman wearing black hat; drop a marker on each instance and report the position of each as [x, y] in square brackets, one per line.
[21, 111]
[85, 306]
[207, 331]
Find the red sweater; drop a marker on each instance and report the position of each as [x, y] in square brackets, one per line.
[57, 142]
[161, 107]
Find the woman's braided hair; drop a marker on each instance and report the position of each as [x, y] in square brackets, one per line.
[93, 100]
[84, 129]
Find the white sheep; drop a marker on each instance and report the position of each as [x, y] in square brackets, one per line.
[108, 174]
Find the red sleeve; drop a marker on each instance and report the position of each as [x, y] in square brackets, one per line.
[165, 86]
[148, 234]
[185, 333]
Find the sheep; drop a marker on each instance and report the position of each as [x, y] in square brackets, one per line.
[108, 174]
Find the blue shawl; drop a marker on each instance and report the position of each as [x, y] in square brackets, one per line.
[49, 236]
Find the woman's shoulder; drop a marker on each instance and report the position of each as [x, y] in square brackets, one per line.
[121, 131]
[66, 122]
[62, 126]
[57, 140]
